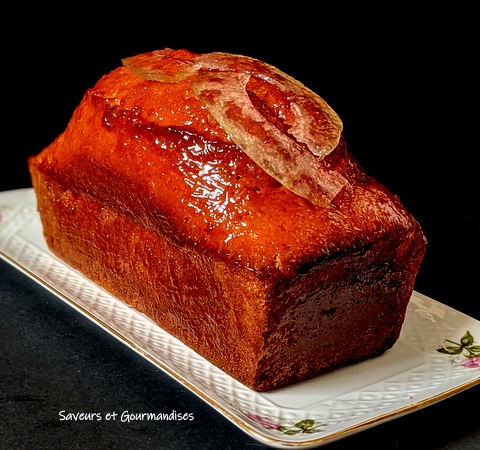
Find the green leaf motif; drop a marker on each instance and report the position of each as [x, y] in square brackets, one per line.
[467, 339]
[450, 350]
[474, 350]
[304, 426]
[465, 346]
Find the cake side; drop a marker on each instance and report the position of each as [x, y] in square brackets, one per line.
[217, 311]
[340, 311]
[261, 332]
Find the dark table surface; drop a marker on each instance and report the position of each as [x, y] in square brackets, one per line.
[404, 89]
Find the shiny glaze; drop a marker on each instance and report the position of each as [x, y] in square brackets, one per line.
[154, 148]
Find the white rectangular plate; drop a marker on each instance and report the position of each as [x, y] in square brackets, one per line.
[410, 376]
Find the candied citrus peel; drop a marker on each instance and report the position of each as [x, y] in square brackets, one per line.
[278, 122]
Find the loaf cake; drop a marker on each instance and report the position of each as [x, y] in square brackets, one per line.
[216, 194]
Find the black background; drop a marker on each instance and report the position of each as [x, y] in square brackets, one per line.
[403, 78]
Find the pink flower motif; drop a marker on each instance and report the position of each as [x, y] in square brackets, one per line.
[471, 362]
[264, 421]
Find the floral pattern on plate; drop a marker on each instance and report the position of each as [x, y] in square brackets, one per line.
[465, 352]
[307, 426]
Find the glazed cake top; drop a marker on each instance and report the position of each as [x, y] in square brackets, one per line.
[153, 150]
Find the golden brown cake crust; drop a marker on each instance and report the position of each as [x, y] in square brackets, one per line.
[147, 195]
